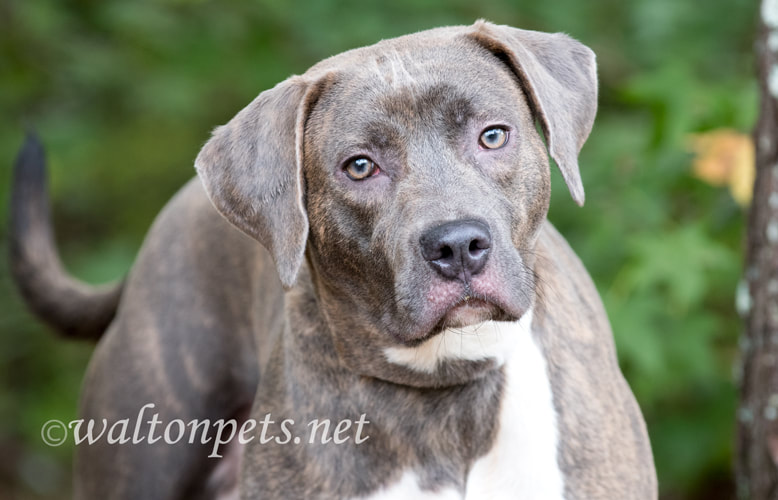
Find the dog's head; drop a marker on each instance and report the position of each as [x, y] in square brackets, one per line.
[411, 175]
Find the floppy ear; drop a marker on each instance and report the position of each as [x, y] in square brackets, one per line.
[252, 171]
[559, 76]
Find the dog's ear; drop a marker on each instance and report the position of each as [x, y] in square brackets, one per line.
[559, 76]
[252, 171]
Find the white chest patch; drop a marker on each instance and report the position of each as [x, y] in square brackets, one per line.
[522, 463]
[490, 339]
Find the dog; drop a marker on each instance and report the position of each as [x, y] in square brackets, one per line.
[364, 244]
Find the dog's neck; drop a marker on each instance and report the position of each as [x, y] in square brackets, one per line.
[442, 436]
[408, 426]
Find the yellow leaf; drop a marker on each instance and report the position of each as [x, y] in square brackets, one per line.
[725, 157]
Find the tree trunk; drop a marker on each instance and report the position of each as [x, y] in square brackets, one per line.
[757, 454]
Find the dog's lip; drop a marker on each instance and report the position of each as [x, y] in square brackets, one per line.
[469, 302]
[468, 309]
[460, 313]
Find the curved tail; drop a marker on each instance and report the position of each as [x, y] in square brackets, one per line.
[74, 308]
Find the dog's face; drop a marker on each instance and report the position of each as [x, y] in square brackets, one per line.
[412, 174]
[412, 144]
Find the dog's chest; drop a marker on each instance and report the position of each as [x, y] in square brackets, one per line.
[522, 462]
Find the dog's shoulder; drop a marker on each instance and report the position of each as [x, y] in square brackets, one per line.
[569, 300]
[575, 336]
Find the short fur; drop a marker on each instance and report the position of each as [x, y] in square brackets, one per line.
[206, 329]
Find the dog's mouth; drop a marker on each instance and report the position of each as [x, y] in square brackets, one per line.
[469, 309]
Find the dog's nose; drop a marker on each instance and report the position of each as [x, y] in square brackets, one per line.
[458, 249]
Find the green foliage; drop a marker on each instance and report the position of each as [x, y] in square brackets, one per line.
[124, 94]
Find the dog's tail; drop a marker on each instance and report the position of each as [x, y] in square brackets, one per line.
[75, 309]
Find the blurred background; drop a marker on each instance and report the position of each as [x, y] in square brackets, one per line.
[125, 93]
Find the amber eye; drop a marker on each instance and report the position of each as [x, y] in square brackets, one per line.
[360, 168]
[493, 138]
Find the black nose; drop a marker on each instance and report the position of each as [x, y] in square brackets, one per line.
[457, 249]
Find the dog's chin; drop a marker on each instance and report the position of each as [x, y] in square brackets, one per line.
[468, 312]
[465, 312]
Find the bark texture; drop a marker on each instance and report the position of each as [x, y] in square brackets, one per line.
[757, 455]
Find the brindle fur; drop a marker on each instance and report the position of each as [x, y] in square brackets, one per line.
[206, 329]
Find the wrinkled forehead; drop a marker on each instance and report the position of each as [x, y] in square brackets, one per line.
[408, 83]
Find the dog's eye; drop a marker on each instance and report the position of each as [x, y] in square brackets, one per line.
[493, 138]
[360, 168]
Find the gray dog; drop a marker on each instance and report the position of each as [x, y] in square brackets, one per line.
[376, 308]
